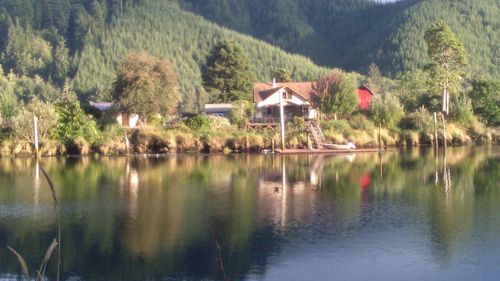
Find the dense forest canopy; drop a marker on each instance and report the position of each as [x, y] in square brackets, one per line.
[352, 34]
[87, 45]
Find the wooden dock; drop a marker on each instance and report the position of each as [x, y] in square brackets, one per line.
[325, 151]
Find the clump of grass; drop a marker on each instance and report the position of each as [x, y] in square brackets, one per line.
[387, 138]
[426, 138]
[362, 139]
[410, 138]
[186, 142]
[254, 142]
[457, 135]
[494, 135]
[361, 122]
[333, 137]
[213, 142]
[112, 147]
[79, 146]
[52, 148]
[341, 126]
[22, 148]
[5, 148]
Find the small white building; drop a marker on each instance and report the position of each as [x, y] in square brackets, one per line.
[123, 118]
[218, 109]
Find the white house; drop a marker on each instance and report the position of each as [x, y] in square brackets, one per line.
[296, 99]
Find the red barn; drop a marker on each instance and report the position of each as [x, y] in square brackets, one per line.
[365, 97]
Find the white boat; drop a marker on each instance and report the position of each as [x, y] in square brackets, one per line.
[332, 146]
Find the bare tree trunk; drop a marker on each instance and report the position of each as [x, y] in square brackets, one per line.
[443, 121]
[445, 111]
[446, 100]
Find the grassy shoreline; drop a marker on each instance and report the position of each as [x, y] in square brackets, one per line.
[151, 140]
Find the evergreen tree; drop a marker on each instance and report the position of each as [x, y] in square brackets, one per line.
[375, 82]
[8, 101]
[5, 23]
[449, 59]
[16, 54]
[60, 65]
[79, 26]
[227, 76]
[73, 123]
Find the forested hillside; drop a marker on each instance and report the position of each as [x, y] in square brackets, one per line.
[165, 31]
[85, 41]
[352, 34]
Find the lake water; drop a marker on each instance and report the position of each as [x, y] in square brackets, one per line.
[405, 215]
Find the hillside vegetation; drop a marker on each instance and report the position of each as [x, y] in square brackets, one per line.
[83, 42]
[165, 31]
[352, 34]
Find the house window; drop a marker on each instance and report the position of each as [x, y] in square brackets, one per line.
[284, 95]
[269, 111]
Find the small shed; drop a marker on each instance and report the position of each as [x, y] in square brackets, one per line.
[365, 97]
[218, 109]
[123, 118]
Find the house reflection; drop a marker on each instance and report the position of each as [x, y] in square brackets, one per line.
[288, 193]
[130, 187]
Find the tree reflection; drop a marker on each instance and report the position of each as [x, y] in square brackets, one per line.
[452, 203]
[137, 218]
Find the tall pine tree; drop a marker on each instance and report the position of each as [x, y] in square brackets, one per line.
[449, 58]
[227, 76]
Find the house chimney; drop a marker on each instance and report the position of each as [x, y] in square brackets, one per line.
[274, 82]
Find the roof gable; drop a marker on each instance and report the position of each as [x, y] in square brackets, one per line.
[365, 88]
[262, 91]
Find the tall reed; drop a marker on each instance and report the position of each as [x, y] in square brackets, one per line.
[40, 274]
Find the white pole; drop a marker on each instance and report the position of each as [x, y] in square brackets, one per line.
[282, 121]
[35, 127]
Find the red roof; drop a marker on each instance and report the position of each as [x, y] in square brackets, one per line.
[262, 91]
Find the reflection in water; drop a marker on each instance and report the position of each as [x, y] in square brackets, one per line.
[130, 186]
[284, 192]
[36, 186]
[316, 169]
[272, 216]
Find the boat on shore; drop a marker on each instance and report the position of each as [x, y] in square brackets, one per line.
[332, 146]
